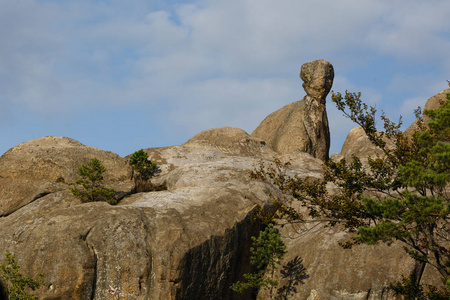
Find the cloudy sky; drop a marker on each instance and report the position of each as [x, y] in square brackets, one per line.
[124, 75]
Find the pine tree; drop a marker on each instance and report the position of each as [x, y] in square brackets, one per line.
[17, 284]
[143, 170]
[402, 195]
[91, 180]
[267, 252]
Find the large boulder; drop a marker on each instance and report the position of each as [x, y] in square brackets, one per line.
[46, 165]
[302, 125]
[189, 242]
[358, 144]
[145, 247]
[431, 104]
[231, 141]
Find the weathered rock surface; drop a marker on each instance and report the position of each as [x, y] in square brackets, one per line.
[36, 168]
[357, 143]
[232, 141]
[302, 125]
[189, 242]
[317, 79]
[432, 103]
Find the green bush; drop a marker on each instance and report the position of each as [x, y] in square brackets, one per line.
[143, 171]
[267, 252]
[15, 283]
[92, 182]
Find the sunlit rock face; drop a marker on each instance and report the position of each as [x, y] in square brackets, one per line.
[358, 144]
[46, 165]
[190, 241]
[302, 125]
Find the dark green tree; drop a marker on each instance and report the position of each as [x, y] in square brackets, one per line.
[143, 171]
[17, 284]
[91, 180]
[402, 195]
[267, 252]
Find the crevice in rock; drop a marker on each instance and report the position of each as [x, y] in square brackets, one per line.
[207, 271]
[36, 197]
[151, 189]
[145, 287]
[385, 291]
[95, 258]
[94, 280]
[40, 195]
[84, 236]
[141, 282]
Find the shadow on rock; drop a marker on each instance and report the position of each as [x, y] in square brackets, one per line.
[295, 273]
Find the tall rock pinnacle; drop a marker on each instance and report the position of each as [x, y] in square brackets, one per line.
[318, 78]
[302, 125]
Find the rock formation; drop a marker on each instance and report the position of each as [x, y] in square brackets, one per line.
[357, 143]
[147, 246]
[232, 141]
[302, 125]
[190, 241]
[39, 167]
[432, 103]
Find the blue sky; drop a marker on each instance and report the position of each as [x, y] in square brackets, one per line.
[125, 75]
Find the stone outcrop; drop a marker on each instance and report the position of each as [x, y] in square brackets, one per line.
[432, 103]
[357, 143]
[189, 242]
[36, 168]
[302, 125]
[144, 247]
[231, 141]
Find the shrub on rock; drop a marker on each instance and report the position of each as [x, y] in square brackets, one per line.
[16, 284]
[92, 182]
[143, 170]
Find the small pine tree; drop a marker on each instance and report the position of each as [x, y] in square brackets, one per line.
[267, 252]
[143, 170]
[91, 180]
[15, 283]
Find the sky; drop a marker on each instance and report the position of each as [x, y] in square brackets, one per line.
[124, 75]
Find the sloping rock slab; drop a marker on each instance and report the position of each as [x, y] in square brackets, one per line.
[46, 165]
[189, 242]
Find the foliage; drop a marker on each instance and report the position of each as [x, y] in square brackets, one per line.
[408, 288]
[143, 167]
[401, 195]
[143, 170]
[16, 284]
[267, 252]
[92, 182]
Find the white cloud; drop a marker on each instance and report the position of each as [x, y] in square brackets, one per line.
[231, 102]
[213, 62]
[417, 30]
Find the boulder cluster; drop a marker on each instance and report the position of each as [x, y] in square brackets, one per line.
[191, 241]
